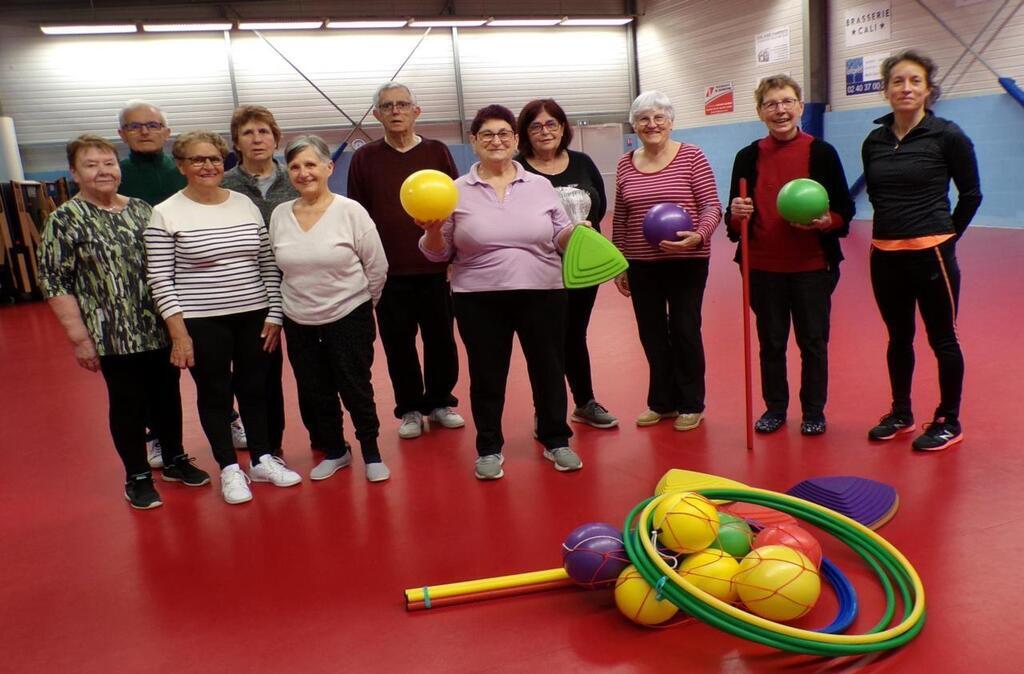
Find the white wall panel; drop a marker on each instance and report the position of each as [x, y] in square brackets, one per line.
[585, 70]
[913, 27]
[685, 46]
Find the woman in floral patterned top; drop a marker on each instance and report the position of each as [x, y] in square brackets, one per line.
[92, 270]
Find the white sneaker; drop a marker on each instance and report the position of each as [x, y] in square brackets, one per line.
[272, 469]
[234, 485]
[377, 472]
[447, 417]
[329, 467]
[154, 455]
[238, 438]
[411, 426]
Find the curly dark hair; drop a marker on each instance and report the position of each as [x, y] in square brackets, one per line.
[489, 112]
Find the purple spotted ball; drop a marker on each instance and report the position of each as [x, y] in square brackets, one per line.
[594, 555]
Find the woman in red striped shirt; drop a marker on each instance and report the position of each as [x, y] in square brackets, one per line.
[666, 282]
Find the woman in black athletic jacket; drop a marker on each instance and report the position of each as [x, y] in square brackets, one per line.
[908, 163]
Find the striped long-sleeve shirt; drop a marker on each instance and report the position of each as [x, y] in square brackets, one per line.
[211, 260]
[687, 181]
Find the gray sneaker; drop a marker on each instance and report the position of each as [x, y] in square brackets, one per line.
[377, 472]
[329, 467]
[411, 426]
[564, 459]
[489, 467]
[594, 414]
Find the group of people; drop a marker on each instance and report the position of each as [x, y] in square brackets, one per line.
[165, 263]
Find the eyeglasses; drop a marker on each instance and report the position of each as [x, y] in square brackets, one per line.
[198, 161]
[135, 127]
[505, 135]
[786, 103]
[400, 106]
[551, 126]
[656, 120]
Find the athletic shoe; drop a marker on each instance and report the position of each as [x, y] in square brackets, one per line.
[688, 421]
[377, 472]
[154, 454]
[812, 427]
[564, 459]
[938, 435]
[141, 494]
[769, 422]
[891, 425]
[272, 469]
[489, 467]
[238, 439]
[447, 417]
[594, 414]
[234, 485]
[411, 426]
[329, 467]
[183, 470]
[650, 417]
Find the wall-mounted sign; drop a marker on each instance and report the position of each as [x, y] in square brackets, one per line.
[863, 74]
[772, 46]
[719, 99]
[868, 23]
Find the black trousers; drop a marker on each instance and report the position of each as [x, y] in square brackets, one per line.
[930, 281]
[577, 356]
[805, 300]
[332, 359]
[224, 344]
[667, 298]
[419, 302]
[143, 390]
[487, 322]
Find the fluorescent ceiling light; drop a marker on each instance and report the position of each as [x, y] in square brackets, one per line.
[280, 25]
[184, 27]
[89, 30]
[501, 23]
[367, 24]
[601, 21]
[448, 23]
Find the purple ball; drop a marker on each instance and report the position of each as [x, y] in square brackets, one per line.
[593, 554]
[663, 221]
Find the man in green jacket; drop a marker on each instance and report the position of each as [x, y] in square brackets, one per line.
[147, 173]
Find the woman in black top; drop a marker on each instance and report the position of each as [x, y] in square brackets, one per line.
[908, 163]
[544, 137]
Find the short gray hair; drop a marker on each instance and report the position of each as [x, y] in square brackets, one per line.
[388, 86]
[648, 101]
[314, 143]
[136, 104]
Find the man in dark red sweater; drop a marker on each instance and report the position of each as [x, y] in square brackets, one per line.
[416, 295]
[793, 268]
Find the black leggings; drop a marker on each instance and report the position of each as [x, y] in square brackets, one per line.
[577, 356]
[143, 389]
[930, 280]
[223, 343]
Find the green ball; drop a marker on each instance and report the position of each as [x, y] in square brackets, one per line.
[802, 200]
[734, 535]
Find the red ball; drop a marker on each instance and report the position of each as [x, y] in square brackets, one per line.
[793, 536]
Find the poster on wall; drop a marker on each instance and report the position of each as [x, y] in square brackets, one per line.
[868, 23]
[719, 99]
[863, 74]
[772, 46]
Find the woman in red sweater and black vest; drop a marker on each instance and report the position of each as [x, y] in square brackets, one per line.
[793, 268]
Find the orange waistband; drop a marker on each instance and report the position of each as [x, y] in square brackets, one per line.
[917, 243]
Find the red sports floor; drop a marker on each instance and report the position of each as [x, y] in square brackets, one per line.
[311, 578]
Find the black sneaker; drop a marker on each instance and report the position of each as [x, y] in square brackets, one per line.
[141, 494]
[891, 425]
[183, 471]
[938, 435]
[769, 422]
[813, 426]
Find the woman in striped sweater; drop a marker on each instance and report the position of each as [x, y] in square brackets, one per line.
[666, 283]
[215, 283]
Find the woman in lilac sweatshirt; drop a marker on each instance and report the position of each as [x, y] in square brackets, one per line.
[503, 242]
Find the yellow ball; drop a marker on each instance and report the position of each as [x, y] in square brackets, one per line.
[687, 522]
[712, 570]
[638, 600]
[778, 582]
[429, 195]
